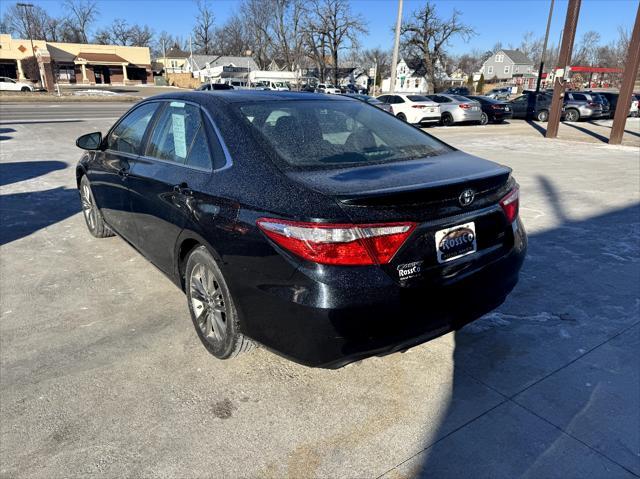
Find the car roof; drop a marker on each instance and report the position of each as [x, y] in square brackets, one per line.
[246, 96]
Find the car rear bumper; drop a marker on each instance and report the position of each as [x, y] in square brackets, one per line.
[332, 323]
[501, 115]
[429, 119]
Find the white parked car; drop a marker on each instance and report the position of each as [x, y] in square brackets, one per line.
[328, 88]
[9, 84]
[412, 107]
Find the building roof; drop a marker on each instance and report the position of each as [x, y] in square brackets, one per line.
[198, 62]
[517, 56]
[100, 58]
[175, 52]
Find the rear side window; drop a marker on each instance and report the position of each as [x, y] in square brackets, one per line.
[179, 136]
[579, 97]
[127, 136]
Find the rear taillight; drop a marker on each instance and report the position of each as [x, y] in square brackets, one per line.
[592, 104]
[419, 106]
[510, 204]
[497, 107]
[465, 106]
[338, 244]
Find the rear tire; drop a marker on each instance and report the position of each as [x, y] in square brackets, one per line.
[401, 116]
[447, 119]
[25, 89]
[572, 115]
[212, 309]
[542, 116]
[484, 119]
[92, 216]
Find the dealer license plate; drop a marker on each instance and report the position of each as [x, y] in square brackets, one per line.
[456, 242]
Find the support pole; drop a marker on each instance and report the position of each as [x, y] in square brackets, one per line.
[544, 48]
[396, 48]
[628, 79]
[564, 61]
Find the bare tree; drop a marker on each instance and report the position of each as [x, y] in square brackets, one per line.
[258, 21]
[119, 32]
[83, 14]
[287, 27]
[379, 58]
[28, 22]
[337, 28]
[203, 31]
[231, 38]
[531, 46]
[427, 35]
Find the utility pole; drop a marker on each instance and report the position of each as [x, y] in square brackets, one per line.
[628, 79]
[396, 47]
[544, 47]
[27, 9]
[564, 62]
[164, 58]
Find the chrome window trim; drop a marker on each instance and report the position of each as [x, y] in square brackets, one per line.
[228, 161]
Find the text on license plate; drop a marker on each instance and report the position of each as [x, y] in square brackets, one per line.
[455, 242]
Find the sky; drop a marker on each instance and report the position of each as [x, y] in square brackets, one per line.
[497, 20]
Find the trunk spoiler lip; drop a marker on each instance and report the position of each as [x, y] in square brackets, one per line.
[383, 192]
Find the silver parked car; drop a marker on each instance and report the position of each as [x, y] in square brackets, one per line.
[502, 93]
[457, 108]
[578, 105]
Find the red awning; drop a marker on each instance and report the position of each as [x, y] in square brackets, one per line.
[596, 69]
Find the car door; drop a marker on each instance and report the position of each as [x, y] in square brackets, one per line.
[519, 106]
[110, 169]
[167, 180]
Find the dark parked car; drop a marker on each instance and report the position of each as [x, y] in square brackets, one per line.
[494, 111]
[371, 101]
[531, 106]
[214, 86]
[315, 225]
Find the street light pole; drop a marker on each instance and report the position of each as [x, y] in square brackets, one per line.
[544, 47]
[27, 7]
[396, 47]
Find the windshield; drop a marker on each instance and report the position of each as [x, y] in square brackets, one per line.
[308, 134]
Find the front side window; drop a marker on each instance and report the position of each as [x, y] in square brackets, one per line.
[127, 136]
[179, 136]
[317, 134]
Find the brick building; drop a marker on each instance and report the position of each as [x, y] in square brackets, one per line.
[75, 62]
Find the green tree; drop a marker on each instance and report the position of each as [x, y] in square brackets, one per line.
[480, 85]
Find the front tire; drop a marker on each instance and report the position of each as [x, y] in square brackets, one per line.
[542, 116]
[25, 89]
[92, 216]
[212, 309]
[401, 116]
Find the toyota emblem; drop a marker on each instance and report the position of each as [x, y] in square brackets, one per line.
[466, 197]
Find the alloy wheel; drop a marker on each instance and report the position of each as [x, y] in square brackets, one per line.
[88, 206]
[207, 302]
[484, 119]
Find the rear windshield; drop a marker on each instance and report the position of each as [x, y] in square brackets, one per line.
[459, 98]
[417, 98]
[316, 134]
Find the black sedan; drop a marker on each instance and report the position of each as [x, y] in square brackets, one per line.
[317, 226]
[494, 111]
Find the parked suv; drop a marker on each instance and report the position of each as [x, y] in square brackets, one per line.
[327, 88]
[457, 109]
[578, 105]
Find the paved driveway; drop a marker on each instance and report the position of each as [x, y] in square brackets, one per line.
[102, 374]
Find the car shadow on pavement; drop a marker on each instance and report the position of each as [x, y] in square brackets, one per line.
[577, 291]
[22, 214]
[4, 131]
[15, 172]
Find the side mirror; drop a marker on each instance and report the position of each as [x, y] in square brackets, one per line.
[90, 141]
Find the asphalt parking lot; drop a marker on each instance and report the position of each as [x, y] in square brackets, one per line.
[101, 372]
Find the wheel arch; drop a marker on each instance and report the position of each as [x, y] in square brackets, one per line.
[187, 242]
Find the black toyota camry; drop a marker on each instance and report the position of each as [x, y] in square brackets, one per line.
[315, 225]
